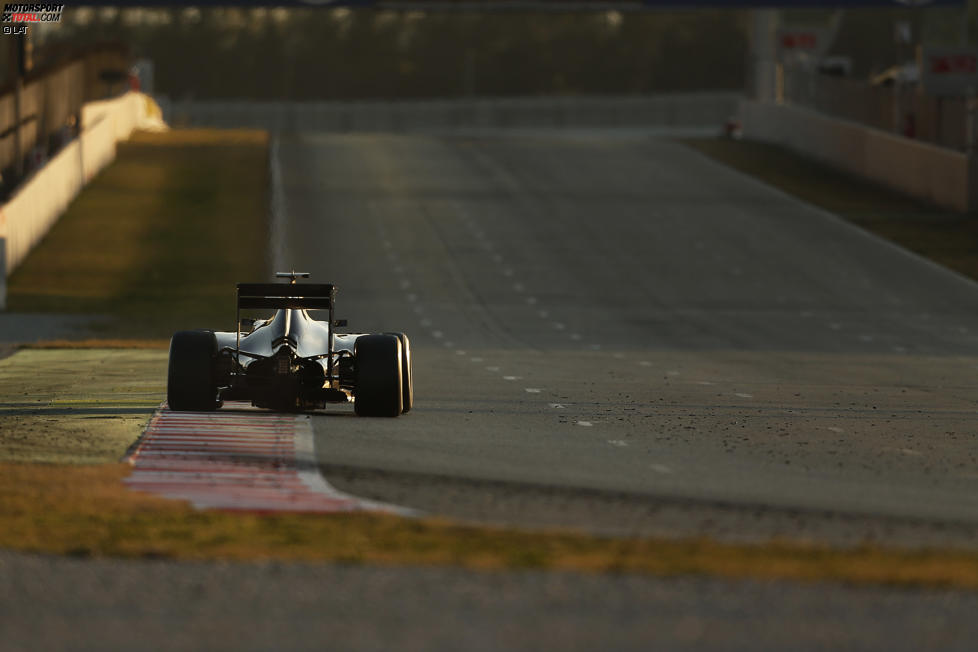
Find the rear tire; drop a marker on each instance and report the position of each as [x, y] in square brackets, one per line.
[379, 391]
[407, 372]
[190, 380]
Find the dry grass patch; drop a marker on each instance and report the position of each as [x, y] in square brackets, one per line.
[156, 242]
[87, 511]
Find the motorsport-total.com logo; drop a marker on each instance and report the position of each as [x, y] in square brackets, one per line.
[22, 14]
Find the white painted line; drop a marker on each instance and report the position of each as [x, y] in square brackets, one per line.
[703, 382]
[834, 429]
[673, 372]
[437, 335]
[475, 359]
[531, 390]
[660, 468]
[584, 423]
[645, 363]
[512, 377]
[621, 443]
[492, 368]
[460, 352]
[558, 406]
[743, 395]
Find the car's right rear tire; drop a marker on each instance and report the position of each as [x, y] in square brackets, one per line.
[190, 379]
[378, 391]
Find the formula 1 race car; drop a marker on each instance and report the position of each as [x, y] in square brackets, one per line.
[290, 361]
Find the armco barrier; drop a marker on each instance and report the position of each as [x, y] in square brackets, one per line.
[38, 204]
[942, 176]
[673, 109]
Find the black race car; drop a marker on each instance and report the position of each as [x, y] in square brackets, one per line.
[290, 361]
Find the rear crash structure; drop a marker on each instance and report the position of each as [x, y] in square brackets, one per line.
[290, 361]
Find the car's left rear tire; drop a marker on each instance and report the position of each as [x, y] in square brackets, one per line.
[190, 380]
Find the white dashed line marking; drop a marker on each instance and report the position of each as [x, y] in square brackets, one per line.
[492, 368]
[531, 390]
[743, 395]
[512, 377]
[660, 468]
[437, 335]
[645, 363]
[621, 443]
[558, 406]
[584, 423]
[476, 359]
[834, 429]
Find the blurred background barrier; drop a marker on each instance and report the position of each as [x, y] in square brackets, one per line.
[940, 175]
[892, 106]
[38, 203]
[707, 109]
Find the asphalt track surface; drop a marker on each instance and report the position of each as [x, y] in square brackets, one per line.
[612, 335]
[620, 335]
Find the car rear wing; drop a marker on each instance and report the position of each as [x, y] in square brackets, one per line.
[297, 296]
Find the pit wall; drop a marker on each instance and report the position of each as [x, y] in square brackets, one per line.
[942, 176]
[41, 200]
[666, 110]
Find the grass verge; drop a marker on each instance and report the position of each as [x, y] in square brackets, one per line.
[77, 406]
[85, 511]
[946, 237]
[78, 410]
[156, 242]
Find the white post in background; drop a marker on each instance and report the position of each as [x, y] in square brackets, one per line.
[763, 52]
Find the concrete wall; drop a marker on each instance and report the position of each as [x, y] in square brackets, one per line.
[680, 110]
[37, 205]
[942, 176]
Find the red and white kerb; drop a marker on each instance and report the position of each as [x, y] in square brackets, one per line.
[237, 458]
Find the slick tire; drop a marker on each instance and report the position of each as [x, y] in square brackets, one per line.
[190, 379]
[407, 373]
[379, 391]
